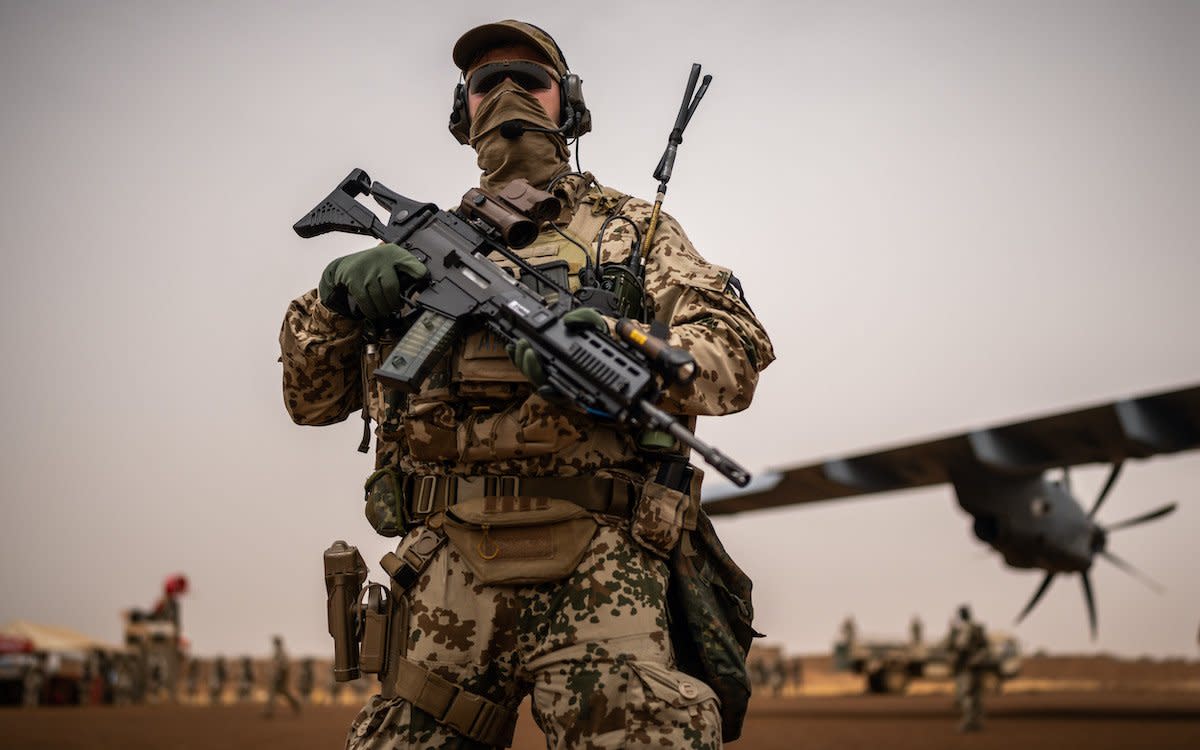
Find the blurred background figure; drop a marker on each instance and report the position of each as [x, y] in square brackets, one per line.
[306, 680]
[280, 684]
[192, 681]
[969, 644]
[916, 631]
[33, 681]
[245, 680]
[216, 680]
[849, 631]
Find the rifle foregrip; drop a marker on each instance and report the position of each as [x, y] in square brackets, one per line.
[418, 351]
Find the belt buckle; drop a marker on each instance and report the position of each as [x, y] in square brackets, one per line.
[503, 486]
[508, 486]
[424, 490]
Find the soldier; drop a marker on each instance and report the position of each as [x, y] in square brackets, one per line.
[306, 681]
[335, 690]
[797, 673]
[33, 681]
[916, 631]
[587, 634]
[125, 680]
[192, 682]
[968, 643]
[280, 686]
[216, 680]
[245, 690]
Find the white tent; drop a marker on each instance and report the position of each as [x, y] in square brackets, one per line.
[54, 639]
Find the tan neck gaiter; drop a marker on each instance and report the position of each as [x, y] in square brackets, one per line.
[538, 157]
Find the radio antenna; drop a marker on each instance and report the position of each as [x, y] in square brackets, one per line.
[666, 164]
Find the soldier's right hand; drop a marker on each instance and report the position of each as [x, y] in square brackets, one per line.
[370, 284]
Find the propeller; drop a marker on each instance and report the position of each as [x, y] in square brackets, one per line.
[1108, 485]
[1153, 584]
[1036, 596]
[1090, 600]
[1166, 510]
[1099, 547]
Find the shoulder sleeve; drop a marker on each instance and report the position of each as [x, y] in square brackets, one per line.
[707, 316]
[321, 363]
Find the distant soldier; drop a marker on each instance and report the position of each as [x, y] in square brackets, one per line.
[306, 680]
[916, 631]
[797, 673]
[33, 681]
[335, 690]
[849, 631]
[216, 680]
[775, 678]
[125, 679]
[916, 638]
[279, 680]
[246, 683]
[969, 645]
[86, 675]
[192, 685]
[106, 673]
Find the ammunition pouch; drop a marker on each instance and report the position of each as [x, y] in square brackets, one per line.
[374, 618]
[669, 505]
[384, 502]
[518, 540]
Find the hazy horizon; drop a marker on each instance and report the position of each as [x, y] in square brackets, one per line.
[947, 216]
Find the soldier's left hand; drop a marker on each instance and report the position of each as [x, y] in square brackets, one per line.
[526, 359]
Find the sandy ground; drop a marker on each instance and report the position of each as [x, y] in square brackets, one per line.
[1095, 721]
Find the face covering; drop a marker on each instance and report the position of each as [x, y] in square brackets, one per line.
[538, 157]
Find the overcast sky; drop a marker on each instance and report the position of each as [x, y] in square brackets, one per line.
[947, 215]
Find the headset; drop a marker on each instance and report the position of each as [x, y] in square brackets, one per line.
[577, 119]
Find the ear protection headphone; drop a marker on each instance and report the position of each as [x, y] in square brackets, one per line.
[577, 119]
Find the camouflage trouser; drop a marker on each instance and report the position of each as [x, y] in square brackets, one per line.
[592, 649]
[968, 686]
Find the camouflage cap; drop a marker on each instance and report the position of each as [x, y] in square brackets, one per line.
[480, 39]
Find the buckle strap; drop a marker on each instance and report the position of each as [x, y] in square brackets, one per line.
[467, 713]
[407, 569]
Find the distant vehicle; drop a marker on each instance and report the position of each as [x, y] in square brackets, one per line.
[889, 665]
[17, 660]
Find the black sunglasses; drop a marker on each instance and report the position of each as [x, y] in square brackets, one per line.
[528, 75]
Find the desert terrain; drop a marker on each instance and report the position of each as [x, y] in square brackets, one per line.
[1058, 702]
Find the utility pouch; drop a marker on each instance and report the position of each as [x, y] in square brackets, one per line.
[658, 518]
[385, 502]
[708, 604]
[510, 540]
[375, 614]
[667, 506]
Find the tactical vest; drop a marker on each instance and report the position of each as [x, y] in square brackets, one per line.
[476, 407]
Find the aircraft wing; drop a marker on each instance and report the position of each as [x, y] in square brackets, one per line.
[1138, 427]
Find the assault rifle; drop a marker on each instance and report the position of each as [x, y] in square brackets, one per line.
[616, 379]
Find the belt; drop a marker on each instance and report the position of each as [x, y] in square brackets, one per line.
[425, 495]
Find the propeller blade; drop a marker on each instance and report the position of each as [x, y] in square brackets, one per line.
[1166, 510]
[1036, 596]
[1153, 584]
[1090, 599]
[1108, 485]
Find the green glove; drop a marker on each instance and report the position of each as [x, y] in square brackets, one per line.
[526, 359]
[370, 284]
